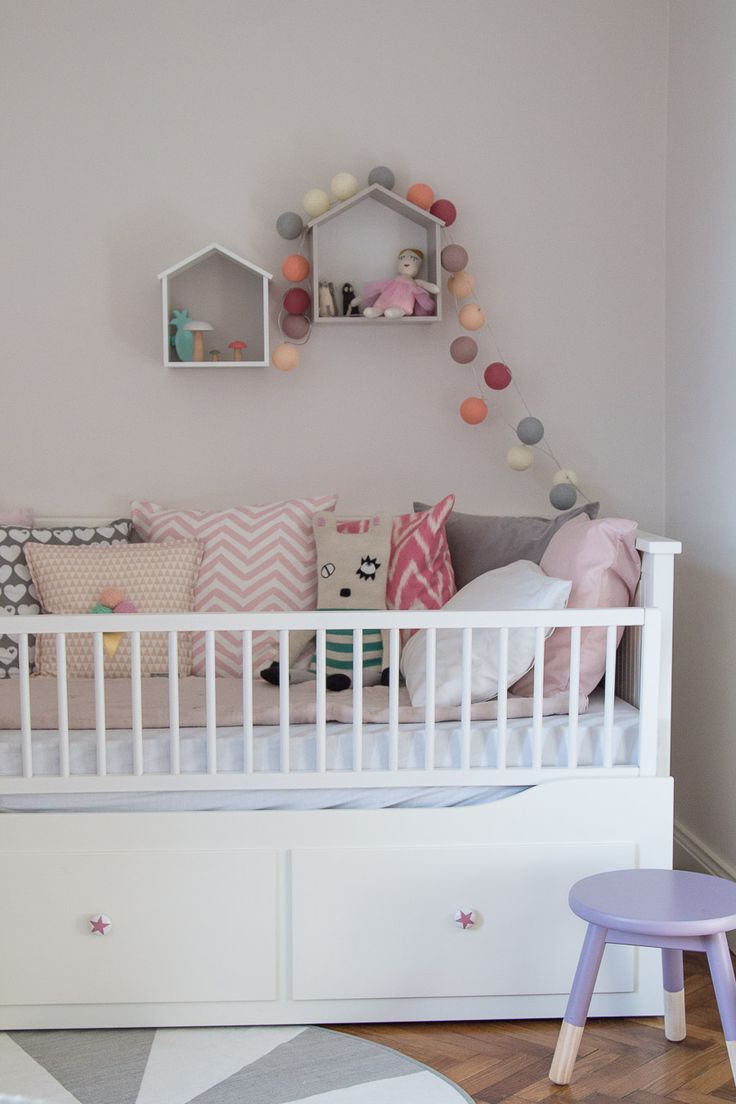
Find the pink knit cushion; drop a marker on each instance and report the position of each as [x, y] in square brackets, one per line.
[22, 516]
[420, 574]
[600, 559]
[255, 558]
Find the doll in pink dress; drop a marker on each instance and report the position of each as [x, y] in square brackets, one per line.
[402, 295]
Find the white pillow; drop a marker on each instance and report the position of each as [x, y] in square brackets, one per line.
[517, 586]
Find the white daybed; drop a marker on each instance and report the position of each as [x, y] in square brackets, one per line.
[314, 872]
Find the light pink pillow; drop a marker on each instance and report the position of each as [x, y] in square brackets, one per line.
[255, 558]
[23, 516]
[600, 559]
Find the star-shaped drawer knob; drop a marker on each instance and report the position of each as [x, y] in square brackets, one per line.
[100, 924]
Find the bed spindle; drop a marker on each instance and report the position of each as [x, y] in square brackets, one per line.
[99, 669]
[573, 704]
[394, 649]
[502, 701]
[357, 699]
[321, 701]
[174, 743]
[210, 691]
[466, 700]
[62, 705]
[248, 763]
[284, 701]
[429, 702]
[25, 707]
[136, 701]
[609, 695]
[538, 700]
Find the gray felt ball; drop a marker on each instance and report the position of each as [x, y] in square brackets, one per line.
[530, 431]
[463, 350]
[289, 225]
[563, 496]
[383, 176]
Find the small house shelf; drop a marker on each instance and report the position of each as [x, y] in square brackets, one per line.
[359, 240]
[230, 295]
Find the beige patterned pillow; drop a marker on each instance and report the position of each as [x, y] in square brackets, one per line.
[157, 578]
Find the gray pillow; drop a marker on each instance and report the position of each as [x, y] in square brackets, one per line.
[17, 592]
[479, 543]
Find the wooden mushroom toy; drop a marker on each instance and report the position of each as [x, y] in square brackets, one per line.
[198, 329]
[237, 348]
[215, 354]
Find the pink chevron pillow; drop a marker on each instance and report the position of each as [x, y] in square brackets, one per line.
[255, 558]
[420, 574]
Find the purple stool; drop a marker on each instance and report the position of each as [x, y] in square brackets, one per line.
[671, 909]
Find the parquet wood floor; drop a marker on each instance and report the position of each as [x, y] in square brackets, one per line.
[619, 1059]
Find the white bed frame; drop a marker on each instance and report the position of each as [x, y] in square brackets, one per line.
[336, 915]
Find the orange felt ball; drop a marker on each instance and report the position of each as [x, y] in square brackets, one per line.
[421, 195]
[111, 596]
[473, 411]
[285, 357]
[295, 268]
[471, 317]
[461, 284]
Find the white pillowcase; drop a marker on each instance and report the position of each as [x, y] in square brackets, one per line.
[520, 585]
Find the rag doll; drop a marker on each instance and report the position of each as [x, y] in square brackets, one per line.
[353, 568]
[403, 294]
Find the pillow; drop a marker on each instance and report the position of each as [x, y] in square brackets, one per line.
[600, 559]
[521, 585]
[255, 558]
[17, 592]
[479, 544]
[157, 578]
[21, 516]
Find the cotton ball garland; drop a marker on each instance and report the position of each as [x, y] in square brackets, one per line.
[295, 268]
[297, 301]
[563, 496]
[497, 376]
[473, 411]
[565, 475]
[471, 317]
[316, 201]
[463, 350]
[344, 185]
[519, 458]
[383, 176]
[285, 357]
[453, 258]
[289, 225]
[530, 431]
[421, 195]
[461, 284]
[295, 326]
[443, 209]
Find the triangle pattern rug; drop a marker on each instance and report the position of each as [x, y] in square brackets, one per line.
[229, 1065]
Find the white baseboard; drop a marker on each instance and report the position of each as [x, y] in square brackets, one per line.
[692, 853]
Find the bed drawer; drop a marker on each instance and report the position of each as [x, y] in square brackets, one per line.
[186, 926]
[381, 922]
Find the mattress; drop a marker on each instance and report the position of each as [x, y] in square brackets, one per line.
[266, 740]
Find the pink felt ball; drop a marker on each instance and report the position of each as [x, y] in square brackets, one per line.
[453, 258]
[473, 411]
[125, 607]
[297, 301]
[443, 209]
[471, 317]
[285, 357]
[111, 596]
[497, 376]
[295, 326]
[463, 350]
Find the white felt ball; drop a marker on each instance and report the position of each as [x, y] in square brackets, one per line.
[316, 202]
[564, 475]
[344, 185]
[519, 457]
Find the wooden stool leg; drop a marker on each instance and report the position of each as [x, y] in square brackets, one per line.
[576, 1013]
[673, 976]
[721, 971]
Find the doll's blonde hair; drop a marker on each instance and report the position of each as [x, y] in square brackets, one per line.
[409, 249]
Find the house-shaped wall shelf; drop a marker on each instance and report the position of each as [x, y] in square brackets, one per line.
[217, 286]
[359, 240]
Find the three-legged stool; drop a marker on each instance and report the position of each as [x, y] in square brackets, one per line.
[671, 909]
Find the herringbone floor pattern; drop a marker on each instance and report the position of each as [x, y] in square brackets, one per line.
[619, 1059]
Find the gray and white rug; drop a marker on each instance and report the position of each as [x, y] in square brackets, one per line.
[215, 1065]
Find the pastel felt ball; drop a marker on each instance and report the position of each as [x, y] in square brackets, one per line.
[461, 284]
[564, 475]
[296, 301]
[497, 376]
[285, 357]
[563, 496]
[530, 431]
[421, 195]
[295, 326]
[519, 457]
[344, 185]
[443, 209]
[289, 225]
[99, 607]
[295, 268]
[453, 258]
[473, 411]
[126, 607]
[316, 202]
[383, 176]
[471, 317]
[111, 596]
[463, 350]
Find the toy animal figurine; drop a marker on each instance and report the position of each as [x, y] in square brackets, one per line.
[348, 296]
[353, 569]
[402, 295]
[326, 299]
[183, 340]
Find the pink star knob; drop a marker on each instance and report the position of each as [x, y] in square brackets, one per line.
[465, 919]
[100, 924]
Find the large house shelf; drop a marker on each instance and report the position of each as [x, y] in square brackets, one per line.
[227, 291]
[359, 240]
